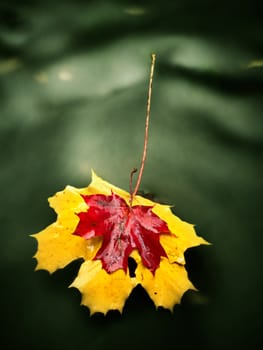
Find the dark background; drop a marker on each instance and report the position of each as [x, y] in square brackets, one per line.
[73, 89]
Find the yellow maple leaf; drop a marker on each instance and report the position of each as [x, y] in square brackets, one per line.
[98, 224]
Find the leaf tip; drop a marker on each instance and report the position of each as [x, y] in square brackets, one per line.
[94, 176]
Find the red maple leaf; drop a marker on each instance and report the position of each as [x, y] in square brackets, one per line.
[124, 229]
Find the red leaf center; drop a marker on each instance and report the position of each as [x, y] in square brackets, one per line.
[123, 229]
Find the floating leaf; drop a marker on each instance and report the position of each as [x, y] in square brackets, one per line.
[98, 224]
[123, 229]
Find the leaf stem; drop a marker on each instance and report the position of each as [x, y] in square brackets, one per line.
[148, 110]
[134, 170]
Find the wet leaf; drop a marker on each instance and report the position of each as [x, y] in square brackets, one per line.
[98, 224]
[123, 229]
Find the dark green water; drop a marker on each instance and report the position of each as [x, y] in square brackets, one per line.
[73, 89]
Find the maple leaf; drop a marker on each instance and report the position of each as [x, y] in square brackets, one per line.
[98, 224]
[123, 229]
